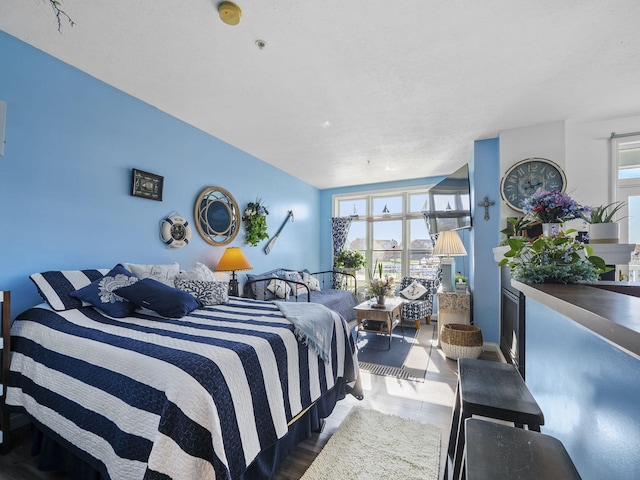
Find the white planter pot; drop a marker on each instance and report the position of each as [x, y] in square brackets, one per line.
[551, 229]
[604, 232]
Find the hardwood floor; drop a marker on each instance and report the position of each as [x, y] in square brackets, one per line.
[428, 402]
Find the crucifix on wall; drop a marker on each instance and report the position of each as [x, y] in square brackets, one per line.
[486, 204]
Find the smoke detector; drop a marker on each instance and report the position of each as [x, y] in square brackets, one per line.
[230, 13]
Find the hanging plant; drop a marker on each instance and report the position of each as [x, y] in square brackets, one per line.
[255, 222]
[60, 14]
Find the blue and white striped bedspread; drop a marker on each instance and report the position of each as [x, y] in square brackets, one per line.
[149, 397]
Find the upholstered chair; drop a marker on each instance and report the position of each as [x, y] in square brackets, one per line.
[421, 307]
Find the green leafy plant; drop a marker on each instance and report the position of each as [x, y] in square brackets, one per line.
[255, 222]
[60, 14]
[349, 259]
[559, 259]
[605, 213]
[516, 227]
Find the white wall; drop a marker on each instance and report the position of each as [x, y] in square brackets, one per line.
[546, 141]
[588, 156]
[581, 148]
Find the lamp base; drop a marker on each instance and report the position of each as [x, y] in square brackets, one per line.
[448, 267]
[233, 286]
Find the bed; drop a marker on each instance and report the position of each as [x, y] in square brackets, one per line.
[325, 288]
[222, 392]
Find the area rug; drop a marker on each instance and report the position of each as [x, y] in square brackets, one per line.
[408, 357]
[371, 445]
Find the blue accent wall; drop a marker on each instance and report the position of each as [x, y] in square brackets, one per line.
[484, 173]
[71, 142]
[588, 391]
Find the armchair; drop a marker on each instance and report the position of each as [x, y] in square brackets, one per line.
[421, 307]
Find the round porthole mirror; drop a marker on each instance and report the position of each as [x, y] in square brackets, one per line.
[217, 216]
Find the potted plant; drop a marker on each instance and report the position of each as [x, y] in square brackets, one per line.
[349, 259]
[552, 209]
[557, 259]
[461, 281]
[255, 222]
[380, 287]
[602, 228]
[516, 227]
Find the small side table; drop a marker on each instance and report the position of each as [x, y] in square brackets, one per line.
[453, 307]
[390, 314]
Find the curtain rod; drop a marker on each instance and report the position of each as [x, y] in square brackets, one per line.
[617, 135]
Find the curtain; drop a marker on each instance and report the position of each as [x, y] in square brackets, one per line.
[434, 236]
[339, 232]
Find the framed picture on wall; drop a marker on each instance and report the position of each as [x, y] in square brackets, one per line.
[146, 185]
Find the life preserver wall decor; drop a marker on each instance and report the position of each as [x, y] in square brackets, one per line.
[175, 231]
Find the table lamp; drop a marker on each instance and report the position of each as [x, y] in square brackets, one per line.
[233, 260]
[448, 245]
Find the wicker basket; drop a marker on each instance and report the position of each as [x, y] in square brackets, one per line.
[461, 341]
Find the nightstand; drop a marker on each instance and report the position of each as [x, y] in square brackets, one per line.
[453, 307]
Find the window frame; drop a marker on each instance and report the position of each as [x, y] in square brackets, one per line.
[371, 218]
[622, 189]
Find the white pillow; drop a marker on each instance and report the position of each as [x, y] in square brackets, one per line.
[198, 272]
[295, 287]
[280, 288]
[413, 291]
[312, 282]
[162, 273]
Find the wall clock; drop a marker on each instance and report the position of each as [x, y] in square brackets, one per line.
[525, 177]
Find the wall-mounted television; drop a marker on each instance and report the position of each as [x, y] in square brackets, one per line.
[450, 202]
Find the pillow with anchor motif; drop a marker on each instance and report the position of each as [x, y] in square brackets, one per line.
[414, 291]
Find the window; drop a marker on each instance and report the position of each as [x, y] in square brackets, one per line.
[389, 229]
[626, 164]
[625, 153]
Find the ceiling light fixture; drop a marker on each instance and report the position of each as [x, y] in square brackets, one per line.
[229, 12]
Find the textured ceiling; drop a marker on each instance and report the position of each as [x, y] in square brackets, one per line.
[354, 92]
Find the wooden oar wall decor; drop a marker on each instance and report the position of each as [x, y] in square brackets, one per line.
[273, 239]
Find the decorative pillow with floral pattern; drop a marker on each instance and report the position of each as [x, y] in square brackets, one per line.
[100, 293]
[208, 292]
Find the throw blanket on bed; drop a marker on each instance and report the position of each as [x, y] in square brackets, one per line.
[314, 325]
[147, 397]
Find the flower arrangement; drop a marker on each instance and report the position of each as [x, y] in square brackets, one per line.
[380, 287]
[559, 259]
[553, 207]
[349, 259]
[255, 222]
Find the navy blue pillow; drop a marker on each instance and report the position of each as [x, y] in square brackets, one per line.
[163, 299]
[100, 293]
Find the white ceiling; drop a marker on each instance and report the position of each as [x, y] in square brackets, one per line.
[357, 91]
